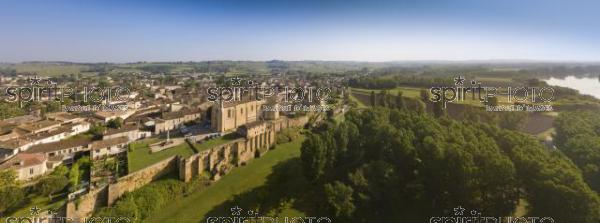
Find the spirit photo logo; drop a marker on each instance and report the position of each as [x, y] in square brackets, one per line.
[461, 92]
[239, 215]
[462, 215]
[236, 90]
[40, 90]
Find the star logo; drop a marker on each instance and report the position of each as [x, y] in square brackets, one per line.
[35, 80]
[236, 81]
[459, 210]
[236, 211]
[35, 211]
[460, 80]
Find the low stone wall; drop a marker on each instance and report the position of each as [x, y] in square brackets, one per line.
[220, 159]
[82, 207]
[140, 178]
[284, 123]
[217, 161]
[210, 160]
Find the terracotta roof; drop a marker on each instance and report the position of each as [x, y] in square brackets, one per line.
[60, 145]
[109, 142]
[6, 127]
[43, 135]
[61, 116]
[23, 160]
[179, 114]
[14, 143]
[108, 114]
[172, 115]
[23, 119]
[39, 125]
[124, 128]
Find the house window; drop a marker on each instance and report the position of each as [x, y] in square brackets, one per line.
[242, 111]
[229, 113]
[31, 171]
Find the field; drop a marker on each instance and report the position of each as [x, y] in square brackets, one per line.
[42, 202]
[196, 206]
[215, 142]
[141, 157]
[412, 92]
[49, 69]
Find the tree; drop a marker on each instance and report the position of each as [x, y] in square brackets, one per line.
[115, 123]
[438, 109]
[492, 101]
[406, 166]
[400, 101]
[512, 120]
[10, 192]
[314, 156]
[578, 137]
[424, 95]
[53, 183]
[339, 198]
[383, 98]
[372, 98]
[97, 131]
[74, 175]
[8, 110]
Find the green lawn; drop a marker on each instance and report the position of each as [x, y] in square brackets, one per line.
[141, 157]
[215, 142]
[42, 202]
[241, 179]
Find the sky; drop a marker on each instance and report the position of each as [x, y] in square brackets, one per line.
[349, 30]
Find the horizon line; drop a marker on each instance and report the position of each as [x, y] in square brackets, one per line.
[474, 61]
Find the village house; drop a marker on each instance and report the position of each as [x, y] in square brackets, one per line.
[105, 116]
[12, 147]
[173, 120]
[64, 117]
[108, 147]
[131, 131]
[26, 165]
[64, 150]
[40, 126]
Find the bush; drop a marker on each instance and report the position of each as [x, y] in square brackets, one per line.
[52, 184]
[287, 135]
[10, 192]
[140, 204]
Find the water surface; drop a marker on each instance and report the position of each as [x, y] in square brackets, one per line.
[585, 85]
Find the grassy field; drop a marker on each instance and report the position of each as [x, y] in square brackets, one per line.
[411, 92]
[141, 157]
[242, 179]
[408, 92]
[51, 70]
[42, 202]
[215, 142]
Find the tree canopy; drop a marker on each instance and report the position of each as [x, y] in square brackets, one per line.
[391, 165]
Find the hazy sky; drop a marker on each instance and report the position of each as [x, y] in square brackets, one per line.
[129, 31]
